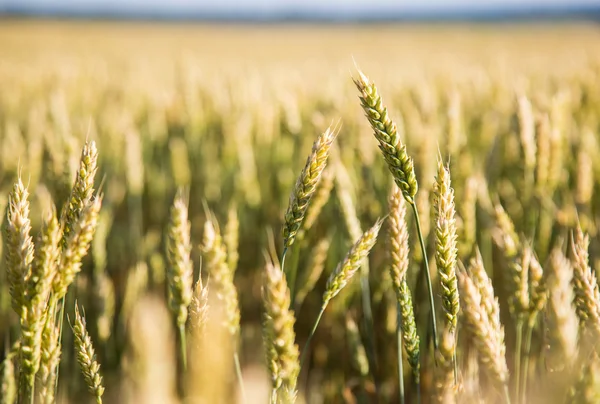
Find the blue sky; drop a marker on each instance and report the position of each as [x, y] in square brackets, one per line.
[274, 6]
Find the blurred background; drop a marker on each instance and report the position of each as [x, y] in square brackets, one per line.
[225, 99]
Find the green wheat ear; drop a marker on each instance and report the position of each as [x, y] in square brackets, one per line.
[306, 186]
[394, 151]
[86, 357]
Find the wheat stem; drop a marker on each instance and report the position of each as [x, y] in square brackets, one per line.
[427, 275]
[399, 343]
[238, 374]
[311, 335]
[183, 345]
[519, 335]
[528, 334]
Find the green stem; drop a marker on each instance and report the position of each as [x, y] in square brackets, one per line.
[519, 331]
[368, 319]
[293, 273]
[454, 361]
[399, 342]
[528, 333]
[506, 394]
[311, 335]
[428, 276]
[238, 372]
[60, 333]
[283, 254]
[183, 346]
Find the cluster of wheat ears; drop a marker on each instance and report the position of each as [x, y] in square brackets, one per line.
[456, 330]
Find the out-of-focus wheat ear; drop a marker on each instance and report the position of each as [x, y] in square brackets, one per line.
[394, 151]
[505, 235]
[135, 287]
[279, 335]
[343, 185]
[557, 148]
[538, 293]
[318, 200]
[316, 266]
[8, 383]
[445, 245]
[585, 285]
[562, 323]
[410, 336]
[86, 357]
[231, 237]
[456, 135]
[38, 290]
[543, 139]
[104, 301]
[198, 311]
[49, 363]
[584, 188]
[181, 268]
[19, 249]
[587, 388]
[306, 185]
[527, 132]
[76, 247]
[482, 319]
[517, 284]
[150, 367]
[221, 276]
[444, 372]
[468, 214]
[351, 263]
[357, 349]
[82, 191]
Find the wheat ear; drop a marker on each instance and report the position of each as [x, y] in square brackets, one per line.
[19, 246]
[181, 269]
[306, 185]
[86, 357]
[279, 335]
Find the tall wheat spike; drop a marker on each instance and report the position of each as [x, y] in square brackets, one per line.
[19, 249]
[445, 244]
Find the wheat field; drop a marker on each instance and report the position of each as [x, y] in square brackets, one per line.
[221, 213]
